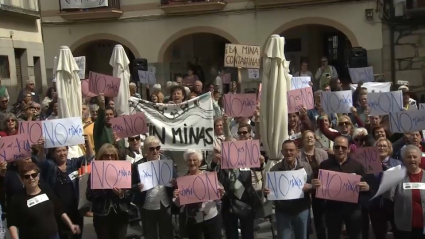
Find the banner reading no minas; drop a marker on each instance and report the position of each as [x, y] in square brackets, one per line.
[189, 125]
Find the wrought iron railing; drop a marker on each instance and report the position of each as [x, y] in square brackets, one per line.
[171, 2]
[112, 4]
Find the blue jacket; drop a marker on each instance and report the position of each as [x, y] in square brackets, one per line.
[49, 171]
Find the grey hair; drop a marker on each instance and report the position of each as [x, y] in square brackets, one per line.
[94, 107]
[358, 131]
[169, 83]
[157, 87]
[409, 147]
[132, 84]
[187, 90]
[149, 140]
[6, 117]
[196, 152]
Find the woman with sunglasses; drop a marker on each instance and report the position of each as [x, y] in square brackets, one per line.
[62, 175]
[155, 203]
[33, 214]
[110, 207]
[134, 151]
[9, 126]
[298, 123]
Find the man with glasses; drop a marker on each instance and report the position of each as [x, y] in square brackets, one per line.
[134, 151]
[336, 212]
[30, 85]
[4, 107]
[325, 73]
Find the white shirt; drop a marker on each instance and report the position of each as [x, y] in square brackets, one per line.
[218, 82]
[155, 196]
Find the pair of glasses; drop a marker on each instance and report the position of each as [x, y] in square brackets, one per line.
[343, 123]
[242, 132]
[4, 101]
[157, 148]
[131, 139]
[10, 120]
[37, 108]
[338, 147]
[29, 176]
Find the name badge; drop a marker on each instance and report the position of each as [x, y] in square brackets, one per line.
[73, 175]
[244, 169]
[409, 186]
[32, 93]
[36, 200]
[423, 155]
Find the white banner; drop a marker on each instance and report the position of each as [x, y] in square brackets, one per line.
[189, 125]
[70, 4]
[374, 87]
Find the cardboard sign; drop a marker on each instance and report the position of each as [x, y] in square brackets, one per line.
[300, 82]
[364, 74]
[129, 125]
[108, 85]
[156, 172]
[147, 77]
[337, 101]
[300, 98]
[34, 130]
[81, 62]
[63, 132]
[254, 73]
[338, 186]
[243, 56]
[85, 89]
[407, 121]
[240, 105]
[286, 185]
[198, 188]
[369, 158]
[14, 147]
[240, 154]
[110, 174]
[385, 102]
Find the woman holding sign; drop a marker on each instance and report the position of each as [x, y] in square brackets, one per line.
[202, 218]
[110, 207]
[34, 213]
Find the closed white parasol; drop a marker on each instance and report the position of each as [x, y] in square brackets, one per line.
[119, 61]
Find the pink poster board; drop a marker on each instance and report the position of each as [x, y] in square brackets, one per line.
[130, 125]
[338, 186]
[14, 147]
[369, 158]
[240, 154]
[299, 98]
[33, 129]
[198, 188]
[109, 174]
[85, 89]
[108, 85]
[240, 105]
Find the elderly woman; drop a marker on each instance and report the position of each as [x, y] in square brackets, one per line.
[34, 213]
[345, 127]
[321, 140]
[218, 139]
[208, 226]
[178, 94]
[61, 174]
[9, 126]
[381, 209]
[110, 207]
[155, 203]
[408, 197]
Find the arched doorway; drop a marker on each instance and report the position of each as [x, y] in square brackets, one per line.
[98, 53]
[207, 48]
[310, 42]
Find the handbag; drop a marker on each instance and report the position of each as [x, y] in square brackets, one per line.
[240, 208]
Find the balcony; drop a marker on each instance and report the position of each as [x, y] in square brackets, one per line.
[280, 3]
[90, 10]
[414, 9]
[20, 8]
[185, 7]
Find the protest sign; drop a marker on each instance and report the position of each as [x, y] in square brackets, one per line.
[374, 87]
[338, 186]
[286, 185]
[337, 101]
[108, 85]
[108, 174]
[369, 158]
[300, 98]
[407, 121]
[129, 125]
[156, 172]
[147, 77]
[63, 132]
[364, 74]
[253, 73]
[152, 69]
[81, 63]
[198, 188]
[226, 78]
[240, 154]
[85, 89]
[385, 102]
[298, 82]
[179, 127]
[402, 82]
[14, 147]
[239, 105]
[389, 179]
[243, 56]
[34, 130]
[421, 106]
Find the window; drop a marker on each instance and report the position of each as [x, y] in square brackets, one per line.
[4, 67]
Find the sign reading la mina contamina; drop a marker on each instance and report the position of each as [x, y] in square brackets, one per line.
[243, 56]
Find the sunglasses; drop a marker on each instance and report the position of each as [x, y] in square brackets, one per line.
[10, 120]
[4, 101]
[157, 148]
[340, 147]
[343, 123]
[29, 176]
[242, 132]
[133, 139]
